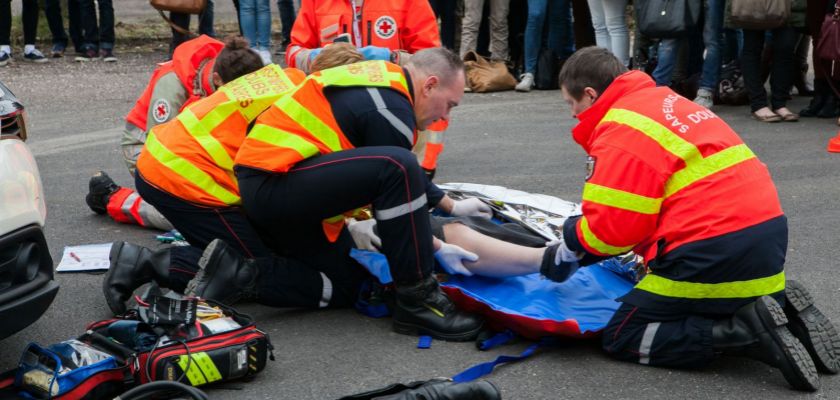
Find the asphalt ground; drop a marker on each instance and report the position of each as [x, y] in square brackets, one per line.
[516, 140]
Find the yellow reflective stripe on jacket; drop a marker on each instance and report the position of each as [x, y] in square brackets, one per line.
[727, 290]
[198, 129]
[310, 122]
[188, 171]
[280, 138]
[364, 73]
[620, 199]
[715, 163]
[697, 167]
[598, 244]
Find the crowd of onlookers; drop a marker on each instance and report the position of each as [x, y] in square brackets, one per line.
[715, 63]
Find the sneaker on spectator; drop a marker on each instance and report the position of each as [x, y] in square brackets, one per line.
[58, 50]
[89, 55]
[4, 58]
[108, 55]
[35, 56]
[266, 56]
[526, 83]
[704, 98]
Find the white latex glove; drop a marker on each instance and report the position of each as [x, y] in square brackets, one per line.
[451, 258]
[471, 207]
[363, 234]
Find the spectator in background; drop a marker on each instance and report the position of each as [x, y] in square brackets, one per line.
[608, 20]
[473, 10]
[823, 105]
[712, 39]
[55, 20]
[559, 35]
[98, 37]
[783, 43]
[445, 11]
[205, 26]
[29, 16]
[286, 9]
[255, 23]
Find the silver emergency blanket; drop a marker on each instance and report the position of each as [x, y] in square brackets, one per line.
[540, 213]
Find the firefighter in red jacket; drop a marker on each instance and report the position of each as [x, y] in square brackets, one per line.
[673, 182]
[192, 74]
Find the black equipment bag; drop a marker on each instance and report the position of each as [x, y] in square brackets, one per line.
[547, 76]
[664, 19]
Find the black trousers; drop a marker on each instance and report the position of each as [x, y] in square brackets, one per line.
[98, 33]
[29, 16]
[783, 68]
[445, 10]
[288, 208]
[56, 22]
[283, 282]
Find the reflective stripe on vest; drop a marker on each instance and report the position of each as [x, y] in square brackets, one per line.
[727, 290]
[244, 98]
[696, 168]
[298, 129]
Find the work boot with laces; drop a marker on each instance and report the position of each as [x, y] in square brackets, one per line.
[812, 328]
[758, 331]
[132, 266]
[100, 189]
[224, 276]
[423, 309]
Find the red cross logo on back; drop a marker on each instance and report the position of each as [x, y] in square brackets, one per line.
[161, 110]
[386, 27]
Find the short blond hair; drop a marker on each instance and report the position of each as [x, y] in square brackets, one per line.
[335, 55]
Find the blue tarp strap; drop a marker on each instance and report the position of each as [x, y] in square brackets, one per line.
[479, 370]
[497, 340]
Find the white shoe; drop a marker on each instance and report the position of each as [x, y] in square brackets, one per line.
[266, 56]
[704, 98]
[526, 83]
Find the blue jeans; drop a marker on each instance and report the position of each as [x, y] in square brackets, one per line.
[255, 19]
[560, 38]
[610, 27]
[286, 8]
[713, 41]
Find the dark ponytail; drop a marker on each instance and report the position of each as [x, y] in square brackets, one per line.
[236, 59]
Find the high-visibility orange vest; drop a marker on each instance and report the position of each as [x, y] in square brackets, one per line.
[301, 124]
[191, 157]
[187, 59]
[430, 144]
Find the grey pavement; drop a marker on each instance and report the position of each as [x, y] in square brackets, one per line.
[512, 139]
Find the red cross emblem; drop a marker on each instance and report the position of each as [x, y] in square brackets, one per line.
[386, 27]
[161, 110]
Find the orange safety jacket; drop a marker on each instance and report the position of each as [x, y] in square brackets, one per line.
[301, 125]
[187, 59]
[191, 157]
[666, 173]
[430, 144]
[407, 25]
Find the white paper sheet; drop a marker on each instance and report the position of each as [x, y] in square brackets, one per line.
[88, 257]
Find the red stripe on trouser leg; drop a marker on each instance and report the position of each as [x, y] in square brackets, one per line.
[115, 204]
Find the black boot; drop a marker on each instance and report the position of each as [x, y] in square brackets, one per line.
[224, 276]
[423, 309]
[447, 390]
[131, 267]
[100, 189]
[758, 331]
[812, 328]
[821, 95]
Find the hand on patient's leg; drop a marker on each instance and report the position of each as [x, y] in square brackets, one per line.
[495, 257]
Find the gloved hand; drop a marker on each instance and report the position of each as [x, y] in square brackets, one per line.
[314, 53]
[471, 207]
[376, 53]
[364, 235]
[451, 258]
[559, 262]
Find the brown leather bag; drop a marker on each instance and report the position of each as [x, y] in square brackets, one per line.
[828, 45]
[759, 14]
[487, 76]
[180, 6]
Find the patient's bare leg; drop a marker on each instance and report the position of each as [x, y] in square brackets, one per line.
[495, 257]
